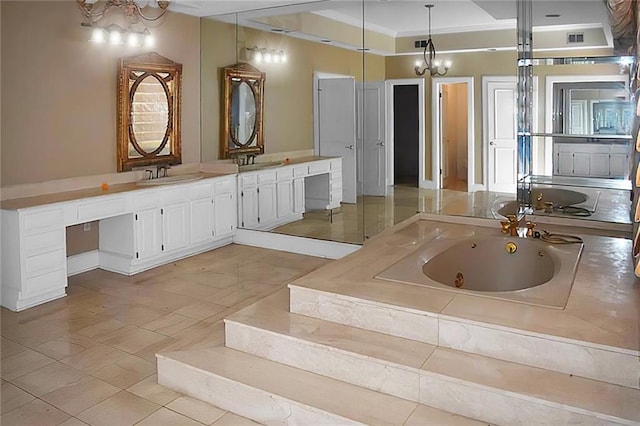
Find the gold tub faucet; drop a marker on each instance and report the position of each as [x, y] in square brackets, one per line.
[511, 225]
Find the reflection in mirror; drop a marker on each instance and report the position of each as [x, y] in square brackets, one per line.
[243, 111]
[319, 42]
[149, 89]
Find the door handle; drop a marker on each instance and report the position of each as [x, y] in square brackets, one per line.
[381, 143]
[349, 147]
[491, 143]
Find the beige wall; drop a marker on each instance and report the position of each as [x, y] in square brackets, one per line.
[59, 91]
[288, 109]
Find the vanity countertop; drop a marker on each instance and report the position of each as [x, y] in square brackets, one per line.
[273, 164]
[59, 197]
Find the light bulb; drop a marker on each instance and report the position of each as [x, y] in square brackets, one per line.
[283, 56]
[115, 37]
[149, 41]
[276, 58]
[97, 35]
[437, 64]
[418, 63]
[447, 64]
[258, 56]
[267, 57]
[133, 39]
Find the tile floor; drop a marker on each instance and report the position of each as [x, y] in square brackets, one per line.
[371, 215]
[89, 358]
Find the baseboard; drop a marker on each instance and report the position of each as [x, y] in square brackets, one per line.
[477, 187]
[294, 244]
[82, 262]
[427, 184]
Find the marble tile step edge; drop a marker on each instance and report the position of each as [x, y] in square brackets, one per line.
[364, 358]
[273, 393]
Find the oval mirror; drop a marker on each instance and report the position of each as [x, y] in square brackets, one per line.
[149, 122]
[243, 113]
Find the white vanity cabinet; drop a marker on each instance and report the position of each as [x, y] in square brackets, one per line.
[169, 223]
[591, 160]
[34, 267]
[278, 195]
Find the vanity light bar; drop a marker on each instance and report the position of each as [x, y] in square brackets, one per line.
[268, 56]
[117, 36]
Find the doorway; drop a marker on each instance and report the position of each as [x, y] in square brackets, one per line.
[406, 127]
[454, 137]
[405, 132]
[453, 156]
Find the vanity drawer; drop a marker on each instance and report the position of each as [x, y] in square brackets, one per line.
[201, 190]
[248, 180]
[224, 186]
[175, 195]
[319, 167]
[268, 177]
[300, 171]
[38, 221]
[43, 242]
[45, 282]
[143, 200]
[284, 174]
[105, 207]
[45, 262]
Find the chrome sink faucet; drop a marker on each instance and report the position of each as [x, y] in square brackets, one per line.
[161, 170]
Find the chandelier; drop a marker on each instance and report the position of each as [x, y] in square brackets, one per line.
[429, 62]
[120, 21]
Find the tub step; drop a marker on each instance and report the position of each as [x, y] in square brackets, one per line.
[471, 385]
[380, 314]
[270, 393]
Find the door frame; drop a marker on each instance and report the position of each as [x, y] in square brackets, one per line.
[436, 115]
[548, 105]
[390, 84]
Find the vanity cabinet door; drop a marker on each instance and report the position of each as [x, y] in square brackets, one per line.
[175, 229]
[599, 164]
[284, 192]
[224, 214]
[148, 231]
[266, 203]
[202, 218]
[565, 163]
[249, 207]
[582, 164]
[298, 196]
[619, 165]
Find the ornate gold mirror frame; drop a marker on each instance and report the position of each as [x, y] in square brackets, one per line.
[149, 103]
[242, 81]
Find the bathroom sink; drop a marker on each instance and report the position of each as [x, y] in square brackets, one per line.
[260, 166]
[170, 180]
[482, 262]
[493, 264]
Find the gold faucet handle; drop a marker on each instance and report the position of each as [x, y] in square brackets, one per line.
[505, 226]
[530, 226]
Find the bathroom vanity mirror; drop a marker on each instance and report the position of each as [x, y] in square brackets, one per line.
[243, 111]
[149, 102]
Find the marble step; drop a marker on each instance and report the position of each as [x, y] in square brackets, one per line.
[579, 358]
[471, 385]
[274, 393]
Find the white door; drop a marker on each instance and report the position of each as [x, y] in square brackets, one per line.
[175, 231]
[298, 196]
[337, 128]
[249, 207]
[370, 138]
[224, 221]
[284, 190]
[502, 135]
[201, 220]
[267, 203]
[148, 233]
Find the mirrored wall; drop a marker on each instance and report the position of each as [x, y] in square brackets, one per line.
[340, 83]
